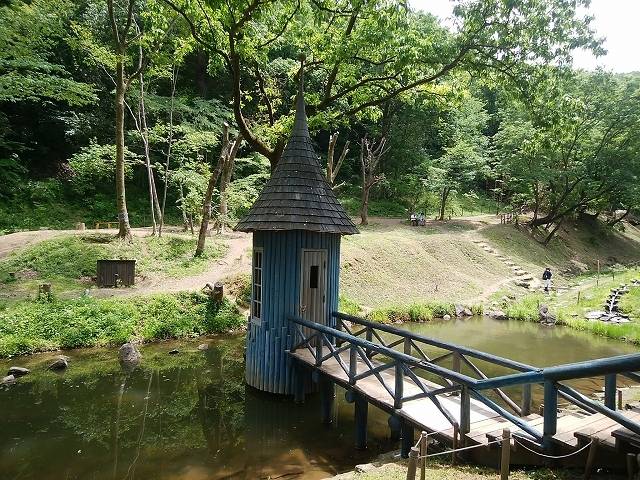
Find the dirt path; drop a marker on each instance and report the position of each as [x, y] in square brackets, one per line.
[234, 262]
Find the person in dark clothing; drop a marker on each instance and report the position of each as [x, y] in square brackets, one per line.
[546, 277]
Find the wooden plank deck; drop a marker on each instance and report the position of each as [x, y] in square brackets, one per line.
[573, 429]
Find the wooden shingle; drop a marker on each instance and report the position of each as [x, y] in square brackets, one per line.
[298, 195]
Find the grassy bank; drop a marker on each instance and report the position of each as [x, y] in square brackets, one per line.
[69, 262]
[32, 326]
[571, 306]
[438, 471]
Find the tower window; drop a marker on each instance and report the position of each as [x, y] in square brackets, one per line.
[313, 276]
[256, 297]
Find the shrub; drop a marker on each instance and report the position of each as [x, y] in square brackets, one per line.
[348, 306]
[32, 326]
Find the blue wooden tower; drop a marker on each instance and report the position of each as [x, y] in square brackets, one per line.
[297, 223]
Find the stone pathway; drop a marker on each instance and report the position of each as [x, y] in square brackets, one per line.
[522, 278]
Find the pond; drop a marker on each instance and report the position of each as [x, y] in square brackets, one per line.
[190, 416]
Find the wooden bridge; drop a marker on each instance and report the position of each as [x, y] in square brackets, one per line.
[460, 405]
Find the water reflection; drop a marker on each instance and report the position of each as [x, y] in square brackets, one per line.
[185, 416]
[190, 416]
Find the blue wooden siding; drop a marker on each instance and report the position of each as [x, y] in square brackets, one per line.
[267, 366]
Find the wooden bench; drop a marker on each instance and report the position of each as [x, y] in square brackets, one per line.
[108, 225]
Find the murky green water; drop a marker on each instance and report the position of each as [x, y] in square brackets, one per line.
[189, 416]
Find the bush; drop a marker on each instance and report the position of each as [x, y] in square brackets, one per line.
[32, 326]
[348, 306]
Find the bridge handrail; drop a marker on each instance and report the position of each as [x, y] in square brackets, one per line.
[610, 367]
[504, 362]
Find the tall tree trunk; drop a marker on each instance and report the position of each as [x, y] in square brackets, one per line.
[206, 203]
[443, 202]
[552, 233]
[364, 208]
[123, 215]
[185, 220]
[144, 134]
[167, 172]
[227, 173]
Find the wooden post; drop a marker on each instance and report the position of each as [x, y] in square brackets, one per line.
[578, 302]
[353, 364]
[424, 444]
[369, 337]
[454, 445]
[407, 438]
[631, 466]
[413, 463]
[361, 413]
[407, 346]
[591, 458]
[550, 413]
[319, 346]
[620, 402]
[327, 401]
[455, 365]
[395, 427]
[218, 292]
[525, 407]
[465, 413]
[398, 392]
[610, 391]
[505, 457]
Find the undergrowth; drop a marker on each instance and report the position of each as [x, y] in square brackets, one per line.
[33, 326]
[417, 312]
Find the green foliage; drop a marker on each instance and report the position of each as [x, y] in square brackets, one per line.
[95, 165]
[348, 306]
[28, 327]
[415, 312]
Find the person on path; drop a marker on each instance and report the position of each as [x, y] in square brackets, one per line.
[414, 220]
[546, 277]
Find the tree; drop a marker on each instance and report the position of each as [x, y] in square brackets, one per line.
[333, 168]
[574, 147]
[228, 153]
[370, 156]
[464, 153]
[365, 54]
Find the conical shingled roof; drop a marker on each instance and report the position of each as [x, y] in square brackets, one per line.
[298, 195]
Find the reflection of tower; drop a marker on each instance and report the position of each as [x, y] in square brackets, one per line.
[297, 223]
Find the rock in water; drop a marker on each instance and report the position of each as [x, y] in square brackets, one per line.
[203, 346]
[128, 353]
[446, 317]
[459, 310]
[467, 312]
[498, 315]
[18, 371]
[8, 380]
[61, 363]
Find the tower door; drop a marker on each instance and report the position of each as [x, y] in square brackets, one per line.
[313, 298]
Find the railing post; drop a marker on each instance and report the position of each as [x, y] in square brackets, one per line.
[318, 349]
[399, 387]
[369, 337]
[525, 407]
[407, 346]
[610, 391]
[465, 412]
[550, 412]
[353, 364]
[328, 395]
[424, 444]
[455, 366]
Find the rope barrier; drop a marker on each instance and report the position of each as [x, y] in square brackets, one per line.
[427, 435]
[448, 452]
[553, 456]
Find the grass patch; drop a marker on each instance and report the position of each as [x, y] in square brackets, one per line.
[572, 314]
[67, 261]
[33, 326]
[442, 471]
[349, 306]
[417, 312]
